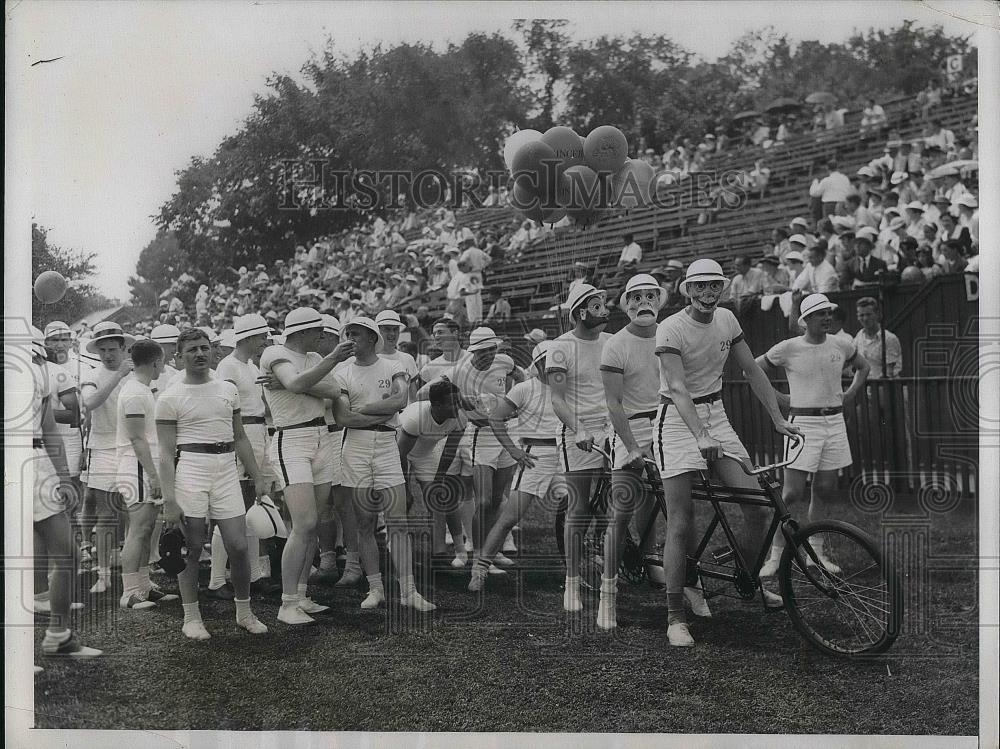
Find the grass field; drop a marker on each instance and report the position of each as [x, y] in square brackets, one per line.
[518, 663]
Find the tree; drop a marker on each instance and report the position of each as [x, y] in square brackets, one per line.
[76, 267]
[160, 262]
[548, 48]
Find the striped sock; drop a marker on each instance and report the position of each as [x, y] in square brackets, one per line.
[482, 564]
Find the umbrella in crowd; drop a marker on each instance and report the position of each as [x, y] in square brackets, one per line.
[954, 168]
[748, 114]
[783, 104]
[821, 97]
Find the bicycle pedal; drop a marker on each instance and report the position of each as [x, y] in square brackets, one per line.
[723, 555]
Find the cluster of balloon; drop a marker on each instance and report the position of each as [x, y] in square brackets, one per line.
[558, 173]
[50, 287]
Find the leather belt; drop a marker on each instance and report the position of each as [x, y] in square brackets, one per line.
[212, 448]
[697, 401]
[828, 411]
[319, 421]
[551, 441]
[333, 427]
[373, 428]
[643, 415]
[253, 420]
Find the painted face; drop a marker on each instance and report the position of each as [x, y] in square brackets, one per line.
[595, 312]
[705, 295]
[642, 305]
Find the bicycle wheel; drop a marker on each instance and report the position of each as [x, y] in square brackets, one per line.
[839, 590]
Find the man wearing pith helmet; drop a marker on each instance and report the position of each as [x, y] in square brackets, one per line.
[691, 425]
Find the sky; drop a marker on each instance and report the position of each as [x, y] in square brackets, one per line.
[142, 87]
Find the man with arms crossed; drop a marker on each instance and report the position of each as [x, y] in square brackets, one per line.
[199, 427]
[692, 427]
[814, 363]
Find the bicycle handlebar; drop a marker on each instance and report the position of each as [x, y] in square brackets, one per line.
[798, 443]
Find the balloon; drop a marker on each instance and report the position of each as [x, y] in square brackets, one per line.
[526, 200]
[517, 140]
[912, 274]
[605, 149]
[631, 185]
[534, 166]
[50, 287]
[585, 193]
[567, 145]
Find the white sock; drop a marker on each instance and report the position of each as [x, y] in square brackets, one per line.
[43, 596]
[290, 599]
[58, 636]
[131, 582]
[375, 581]
[609, 586]
[191, 612]
[242, 609]
[303, 590]
[104, 573]
[406, 585]
[572, 582]
[144, 580]
[219, 559]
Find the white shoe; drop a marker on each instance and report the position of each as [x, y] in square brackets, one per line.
[460, 560]
[832, 567]
[571, 599]
[38, 670]
[374, 599]
[770, 567]
[679, 635]
[509, 545]
[772, 599]
[469, 548]
[100, 586]
[606, 614]
[136, 601]
[478, 580]
[253, 625]
[195, 630]
[311, 607]
[695, 598]
[413, 600]
[351, 577]
[494, 570]
[291, 613]
[503, 561]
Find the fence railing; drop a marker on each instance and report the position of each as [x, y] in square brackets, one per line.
[912, 435]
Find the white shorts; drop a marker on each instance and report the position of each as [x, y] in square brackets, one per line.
[676, 450]
[259, 441]
[642, 430]
[299, 456]
[826, 447]
[538, 479]
[207, 486]
[102, 469]
[485, 449]
[460, 464]
[333, 446]
[46, 500]
[133, 482]
[73, 444]
[371, 460]
[572, 458]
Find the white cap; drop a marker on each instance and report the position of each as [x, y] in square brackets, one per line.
[536, 335]
[968, 200]
[213, 337]
[302, 318]
[389, 317]
[898, 178]
[368, 324]
[249, 325]
[580, 294]
[814, 303]
[703, 269]
[227, 338]
[57, 327]
[798, 221]
[642, 281]
[794, 255]
[483, 338]
[165, 333]
[914, 205]
[866, 232]
[331, 325]
[798, 239]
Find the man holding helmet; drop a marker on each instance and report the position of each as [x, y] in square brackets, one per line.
[692, 428]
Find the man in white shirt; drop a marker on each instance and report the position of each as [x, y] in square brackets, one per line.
[747, 284]
[869, 341]
[830, 187]
[631, 254]
[818, 276]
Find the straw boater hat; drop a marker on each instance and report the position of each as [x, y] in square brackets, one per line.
[643, 281]
[814, 303]
[302, 318]
[107, 329]
[249, 325]
[482, 338]
[368, 324]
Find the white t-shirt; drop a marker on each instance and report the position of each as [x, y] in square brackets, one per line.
[40, 397]
[244, 376]
[485, 385]
[409, 365]
[61, 381]
[535, 417]
[635, 359]
[416, 420]
[817, 279]
[369, 384]
[814, 369]
[162, 382]
[439, 366]
[291, 408]
[135, 400]
[581, 361]
[104, 418]
[202, 413]
[703, 348]
[631, 253]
